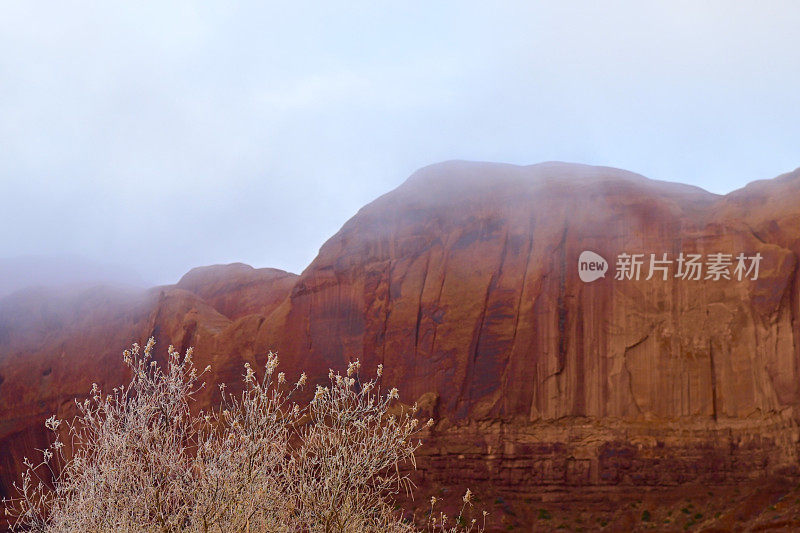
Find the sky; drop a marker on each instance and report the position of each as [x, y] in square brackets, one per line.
[153, 137]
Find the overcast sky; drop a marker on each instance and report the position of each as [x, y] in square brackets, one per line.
[167, 135]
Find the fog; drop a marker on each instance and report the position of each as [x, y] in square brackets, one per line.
[69, 271]
[150, 138]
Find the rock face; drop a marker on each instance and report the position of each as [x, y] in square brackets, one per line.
[54, 345]
[463, 283]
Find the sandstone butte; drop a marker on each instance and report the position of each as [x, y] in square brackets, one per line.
[463, 283]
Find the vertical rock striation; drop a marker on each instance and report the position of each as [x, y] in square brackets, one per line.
[463, 283]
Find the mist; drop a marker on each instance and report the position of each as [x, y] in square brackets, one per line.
[139, 141]
[65, 271]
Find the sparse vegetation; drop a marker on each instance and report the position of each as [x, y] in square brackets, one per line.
[140, 459]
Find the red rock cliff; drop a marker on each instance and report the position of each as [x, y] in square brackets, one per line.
[463, 282]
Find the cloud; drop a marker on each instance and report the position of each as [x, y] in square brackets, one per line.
[170, 135]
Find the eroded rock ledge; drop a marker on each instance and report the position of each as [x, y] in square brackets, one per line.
[463, 282]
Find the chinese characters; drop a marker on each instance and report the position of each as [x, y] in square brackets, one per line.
[712, 267]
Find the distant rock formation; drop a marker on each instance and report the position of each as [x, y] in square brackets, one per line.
[62, 272]
[463, 282]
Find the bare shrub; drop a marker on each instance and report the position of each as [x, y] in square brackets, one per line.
[140, 460]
